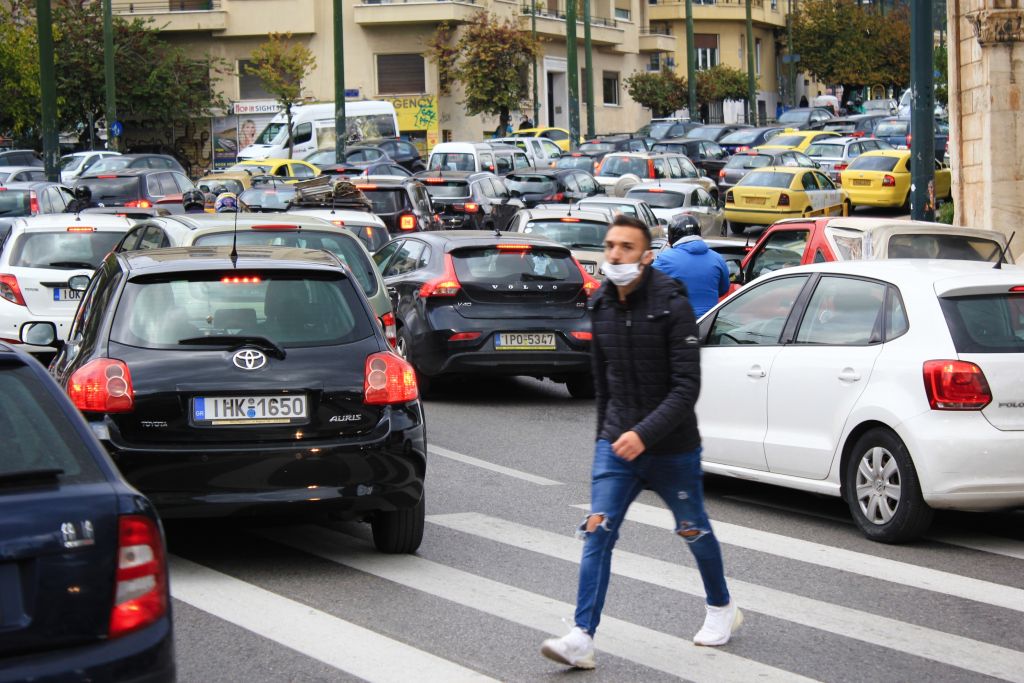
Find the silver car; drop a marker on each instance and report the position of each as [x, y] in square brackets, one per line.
[670, 199]
[835, 154]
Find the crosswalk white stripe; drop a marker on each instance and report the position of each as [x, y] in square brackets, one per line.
[878, 568]
[632, 642]
[500, 469]
[339, 643]
[965, 653]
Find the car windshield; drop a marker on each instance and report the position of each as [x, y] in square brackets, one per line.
[508, 266]
[289, 309]
[704, 132]
[659, 199]
[267, 199]
[112, 191]
[70, 162]
[620, 166]
[628, 209]
[14, 203]
[580, 162]
[840, 127]
[597, 147]
[251, 167]
[573, 233]
[64, 249]
[385, 200]
[221, 185]
[749, 161]
[794, 117]
[660, 129]
[884, 106]
[341, 245]
[523, 183]
[674, 147]
[109, 164]
[740, 137]
[275, 133]
[787, 140]
[437, 187]
[321, 156]
[767, 179]
[826, 151]
[450, 161]
[892, 128]
[956, 247]
[870, 163]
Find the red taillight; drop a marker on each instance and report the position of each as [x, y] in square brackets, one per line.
[955, 385]
[650, 169]
[729, 199]
[1017, 289]
[744, 148]
[889, 181]
[433, 181]
[464, 336]
[103, 385]
[387, 323]
[840, 167]
[139, 204]
[407, 221]
[33, 203]
[240, 280]
[510, 246]
[721, 173]
[470, 207]
[783, 199]
[366, 187]
[141, 578]
[583, 336]
[10, 290]
[569, 219]
[389, 379]
[557, 197]
[590, 283]
[81, 228]
[446, 285]
[597, 167]
[858, 134]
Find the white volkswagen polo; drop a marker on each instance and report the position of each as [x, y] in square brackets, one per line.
[38, 259]
[898, 385]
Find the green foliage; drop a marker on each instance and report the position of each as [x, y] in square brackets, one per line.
[663, 92]
[281, 65]
[488, 60]
[721, 82]
[945, 213]
[941, 61]
[19, 64]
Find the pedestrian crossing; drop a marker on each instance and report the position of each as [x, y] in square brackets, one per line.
[364, 653]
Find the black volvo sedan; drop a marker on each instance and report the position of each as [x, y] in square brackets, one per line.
[228, 386]
[491, 304]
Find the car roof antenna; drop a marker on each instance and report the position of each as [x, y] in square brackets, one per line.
[1002, 251]
[234, 241]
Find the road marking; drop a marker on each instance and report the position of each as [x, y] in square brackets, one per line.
[500, 469]
[309, 631]
[623, 639]
[878, 568]
[965, 653]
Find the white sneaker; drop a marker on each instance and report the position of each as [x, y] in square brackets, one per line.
[575, 649]
[719, 624]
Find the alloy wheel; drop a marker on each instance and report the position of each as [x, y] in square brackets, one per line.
[878, 485]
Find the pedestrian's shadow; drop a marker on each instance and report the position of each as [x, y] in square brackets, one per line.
[508, 391]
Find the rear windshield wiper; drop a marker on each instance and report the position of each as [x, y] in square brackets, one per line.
[583, 245]
[236, 342]
[30, 475]
[70, 264]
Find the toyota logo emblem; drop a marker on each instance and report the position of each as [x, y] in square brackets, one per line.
[249, 359]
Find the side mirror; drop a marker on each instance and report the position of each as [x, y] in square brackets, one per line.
[600, 189]
[817, 165]
[735, 274]
[662, 221]
[78, 283]
[39, 334]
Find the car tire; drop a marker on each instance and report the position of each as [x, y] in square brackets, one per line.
[399, 531]
[889, 507]
[580, 386]
[736, 228]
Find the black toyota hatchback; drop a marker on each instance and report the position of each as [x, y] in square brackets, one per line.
[83, 575]
[262, 385]
[486, 304]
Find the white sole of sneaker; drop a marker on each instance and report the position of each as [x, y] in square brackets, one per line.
[557, 656]
[737, 621]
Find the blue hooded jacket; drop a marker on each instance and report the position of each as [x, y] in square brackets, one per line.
[701, 270]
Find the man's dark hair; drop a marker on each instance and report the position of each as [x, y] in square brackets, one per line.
[624, 221]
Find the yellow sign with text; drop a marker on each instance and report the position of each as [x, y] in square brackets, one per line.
[418, 117]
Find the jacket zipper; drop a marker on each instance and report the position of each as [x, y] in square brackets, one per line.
[632, 365]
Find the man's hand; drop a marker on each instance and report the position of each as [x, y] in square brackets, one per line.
[629, 446]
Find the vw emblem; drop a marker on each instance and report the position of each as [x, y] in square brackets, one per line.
[248, 359]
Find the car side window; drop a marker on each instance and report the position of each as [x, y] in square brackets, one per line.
[406, 150]
[689, 170]
[500, 191]
[303, 133]
[843, 312]
[484, 187]
[757, 315]
[570, 182]
[384, 254]
[504, 163]
[694, 199]
[661, 168]
[282, 171]
[131, 240]
[302, 171]
[520, 160]
[808, 181]
[636, 145]
[896, 323]
[824, 182]
[703, 198]
[556, 135]
[586, 183]
[674, 169]
[486, 162]
[399, 170]
[780, 249]
[550, 148]
[406, 259]
[854, 150]
[94, 301]
[153, 238]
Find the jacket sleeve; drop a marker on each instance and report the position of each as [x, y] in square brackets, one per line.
[723, 280]
[597, 364]
[684, 364]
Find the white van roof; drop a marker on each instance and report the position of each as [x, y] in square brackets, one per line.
[325, 110]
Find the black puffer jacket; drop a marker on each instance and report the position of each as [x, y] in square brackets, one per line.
[646, 358]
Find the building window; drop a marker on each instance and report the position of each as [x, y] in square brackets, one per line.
[249, 86]
[610, 83]
[757, 56]
[706, 46]
[401, 74]
[622, 13]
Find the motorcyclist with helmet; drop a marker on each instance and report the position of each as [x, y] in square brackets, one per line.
[82, 200]
[227, 202]
[689, 260]
[193, 201]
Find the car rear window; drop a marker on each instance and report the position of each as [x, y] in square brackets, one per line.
[620, 166]
[341, 245]
[659, 199]
[580, 162]
[288, 308]
[827, 151]
[892, 128]
[787, 140]
[749, 161]
[868, 163]
[505, 266]
[597, 147]
[385, 199]
[449, 161]
[36, 434]
[767, 179]
[14, 203]
[992, 323]
[113, 191]
[740, 137]
[72, 250]
[270, 199]
[841, 127]
[956, 247]
[704, 132]
[524, 183]
[577, 234]
[112, 163]
[437, 187]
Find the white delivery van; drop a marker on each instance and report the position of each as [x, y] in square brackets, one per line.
[313, 128]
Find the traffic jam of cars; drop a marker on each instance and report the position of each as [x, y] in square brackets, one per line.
[263, 341]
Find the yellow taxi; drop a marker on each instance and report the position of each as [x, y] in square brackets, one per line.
[559, 136]
[799, 140]
[294, 169]
[882, 178]
[769, 194]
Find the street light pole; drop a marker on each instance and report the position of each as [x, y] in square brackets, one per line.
[340, 126]
[691, 63]
[48, 86]
[110, 110]
[751, 78]
[536, 96]
[922, 113]
[588, 66]
[572, 66]
[789, 50]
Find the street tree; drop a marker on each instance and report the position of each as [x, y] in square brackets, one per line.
[19, 64]
[721, 82]
[281, 64]
[663, 92]
[489, 60]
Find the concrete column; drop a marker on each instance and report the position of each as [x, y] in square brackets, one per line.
[986, 108]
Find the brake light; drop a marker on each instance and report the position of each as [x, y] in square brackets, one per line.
[655, 189]
[240, 280]
[557, 197]
[858, 134]
[889, 181]
[407, 222]
[446, 285]
[33, 203]
[597, 167]
[955, 385]
[81, 228]
[387, 323]
[783, 199]
[583, 336]
[650, 168]
[464, 336]
[745, 148]
[10, 290]
[141, 578]
[1017, 289]
[515, 247]
[106, 176]
[103, 385]
[366, 187]
[590, 283]
[909, 138]
[340, 224]
[729, 197]
[721, 173]
[139, 204]
[840, 167]
[468, 207]
[389, 379]
[569, 219]
[275, 226]
[433, 181]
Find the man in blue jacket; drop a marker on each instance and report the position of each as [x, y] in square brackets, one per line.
[702, 271]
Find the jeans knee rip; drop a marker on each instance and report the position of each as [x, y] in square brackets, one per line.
[691, 532]
[585, 528]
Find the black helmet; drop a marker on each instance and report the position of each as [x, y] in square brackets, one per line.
[193, 200]
[83, 192]
[682, 226]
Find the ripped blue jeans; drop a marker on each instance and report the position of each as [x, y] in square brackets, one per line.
[615, 484]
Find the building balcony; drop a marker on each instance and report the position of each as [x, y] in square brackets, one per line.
[551, 24]
[656, 40]
[392, 12]
[176, 15]
[764, 13]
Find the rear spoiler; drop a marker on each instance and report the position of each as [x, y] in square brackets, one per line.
[135, 214]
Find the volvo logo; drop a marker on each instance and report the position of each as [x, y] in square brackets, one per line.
[248, 359]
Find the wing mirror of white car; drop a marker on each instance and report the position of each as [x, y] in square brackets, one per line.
[39, 334]
[78, 283]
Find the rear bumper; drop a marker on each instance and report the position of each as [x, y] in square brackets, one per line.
[874, 198]
[382, 470]
[143, 657]
[759, 217]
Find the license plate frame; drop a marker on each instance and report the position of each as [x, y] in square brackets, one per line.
[62, 294]
[861, 182]
[755, 201]
[259, 410]
[590, 268]
[525, 341]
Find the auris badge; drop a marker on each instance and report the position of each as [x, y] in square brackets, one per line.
[249, 359]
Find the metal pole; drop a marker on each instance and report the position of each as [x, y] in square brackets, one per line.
[751, 78]
[691, 63]
[48, 86]
[572, 67]
[588, 65]
[536, 96]
[340, 126]
[789, 50]
[922, 114]
[110, 111]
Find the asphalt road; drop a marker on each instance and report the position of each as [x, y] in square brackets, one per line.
[497, 574]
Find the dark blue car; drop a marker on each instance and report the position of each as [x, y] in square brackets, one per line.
[896, 131]
[83, 571]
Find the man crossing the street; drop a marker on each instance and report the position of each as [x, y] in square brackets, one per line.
[646, 360]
